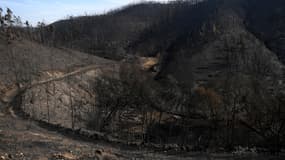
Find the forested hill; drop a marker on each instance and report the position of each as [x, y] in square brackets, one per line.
[107, 35]
[192, 37]
[195, 75]
[116, 31]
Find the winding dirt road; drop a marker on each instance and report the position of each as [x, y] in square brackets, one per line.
[24, 139]
[9, 95]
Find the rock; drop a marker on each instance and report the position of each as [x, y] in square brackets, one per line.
[102, 155]
[64, 156]
[65, 100]
[10, 156]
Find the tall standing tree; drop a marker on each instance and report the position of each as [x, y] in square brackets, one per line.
[1, 18]
[8, 17]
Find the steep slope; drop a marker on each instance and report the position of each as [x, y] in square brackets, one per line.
[49, 79]
[204, 42]
[216, 46]
[26, 64]
[193, 40]
[108, 34]
[266, 19]
[149, 28]
[232, 50]
[24, 60]
[179, 28]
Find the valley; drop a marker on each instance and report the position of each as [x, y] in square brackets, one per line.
[184, 79]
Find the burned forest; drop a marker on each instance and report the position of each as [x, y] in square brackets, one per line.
[181, 79]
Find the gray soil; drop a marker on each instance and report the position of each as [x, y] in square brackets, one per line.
[23, 139]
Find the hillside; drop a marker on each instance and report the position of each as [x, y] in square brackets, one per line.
[268, 26]
[24, 60]
[193, 40]
[230, 48]
[176, 77]
[162, 24]
[200, 40]
[106, 35]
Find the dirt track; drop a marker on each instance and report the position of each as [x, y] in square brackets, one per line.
[13, 92]
[23, 139]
